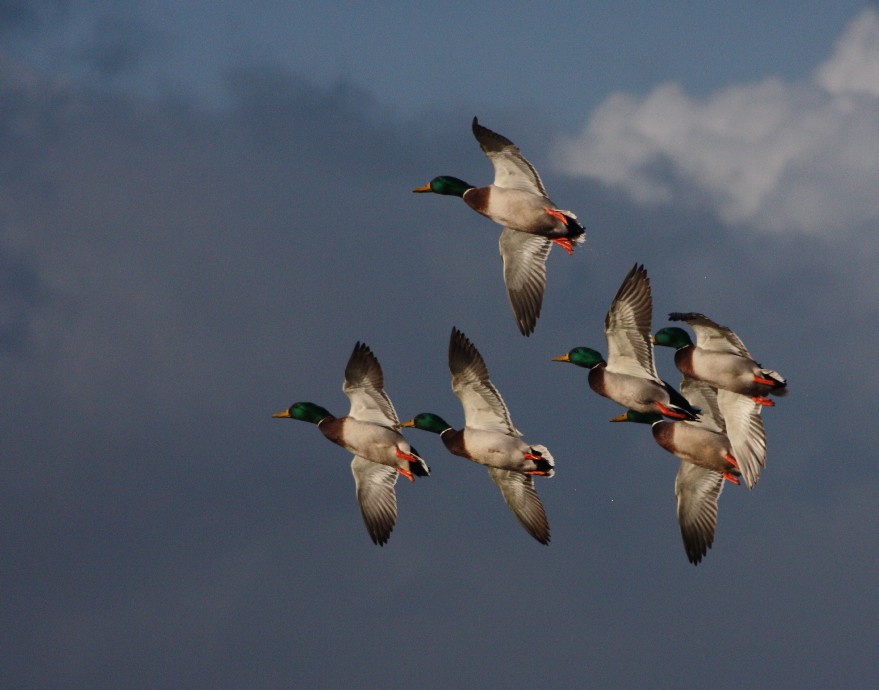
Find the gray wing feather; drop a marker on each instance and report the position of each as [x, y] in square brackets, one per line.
[710, 335]
[484, 408]
[744, 429]
[697, 490]
[365, 387]
[511, 170]
[524, 258]
[374, 484]
[703, 395]
[521, 497]
[627, 327]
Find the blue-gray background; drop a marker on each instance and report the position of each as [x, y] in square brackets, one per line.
[204, 205]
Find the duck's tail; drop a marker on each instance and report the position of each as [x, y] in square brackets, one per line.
[576, 231]
[776, 382]
[679, 405]
[418, 466]
[544, 463]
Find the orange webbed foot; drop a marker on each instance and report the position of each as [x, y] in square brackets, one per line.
[731, 478]
[408, 474]
[668, 412]
[558, 215]
[731, 460]
[763, 401]
[565, 244]
[539, 473]
[406, 456]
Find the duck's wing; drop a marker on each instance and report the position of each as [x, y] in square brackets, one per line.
[510, 167]
[484, 408]
[521, 497]
[697, 490]
[524, 256]
[627, 327]
[365, 387]
[711, 336]
[374, 484]
[703, 395]
[744, 429]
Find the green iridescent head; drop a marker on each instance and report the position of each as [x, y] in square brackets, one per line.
[672, 337]
[582, 357]
[638, 417]
[445, 184]
[427, 421]
[304, 412]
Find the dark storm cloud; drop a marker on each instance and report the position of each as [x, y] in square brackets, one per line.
[28, 16]
[117, 45]
[182, 274]
[21, 293]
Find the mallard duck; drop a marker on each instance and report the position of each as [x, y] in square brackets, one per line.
[371, 432]
[517, 200]
[629, 376]
[727, 442]
[490, 438]
[720, 358]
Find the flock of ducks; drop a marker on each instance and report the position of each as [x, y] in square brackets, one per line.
[713, 424]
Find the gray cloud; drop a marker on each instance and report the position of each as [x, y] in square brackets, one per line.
[28, 16]
[117, 45]
[775, 156]
[181, 274]
[21, 293]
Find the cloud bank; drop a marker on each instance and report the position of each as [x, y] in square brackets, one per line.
[781, 157]
[172, 275]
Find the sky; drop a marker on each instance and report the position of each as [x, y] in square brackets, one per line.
[203, 207]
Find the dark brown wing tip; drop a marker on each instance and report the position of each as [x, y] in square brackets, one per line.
[637, 274]
[379, 535]
[478, 130]
[685, 316]
[362, 356]
[639, 270]
[459, 346]
[696, 550]
[539, 531]
[490, 140]
[696, 544]
[463, 353]
[361, 353]
[458, 340]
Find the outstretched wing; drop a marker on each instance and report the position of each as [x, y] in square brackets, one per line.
[521, 497]
[524, 256]
[703, 395]
[627, 327]
[510, 167]
[365, 387]
[484, 408]
[697, 490]
[711, 336]
[374, 484]
[744, 429]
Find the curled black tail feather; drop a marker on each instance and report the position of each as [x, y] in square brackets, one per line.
[419, 468]
[545, 466]
[679, 402]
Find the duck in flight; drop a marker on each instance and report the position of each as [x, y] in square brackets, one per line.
[516, 200]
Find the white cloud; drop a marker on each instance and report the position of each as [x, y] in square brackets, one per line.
[778, 156]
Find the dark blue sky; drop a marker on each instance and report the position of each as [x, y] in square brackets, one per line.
[202, 210]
